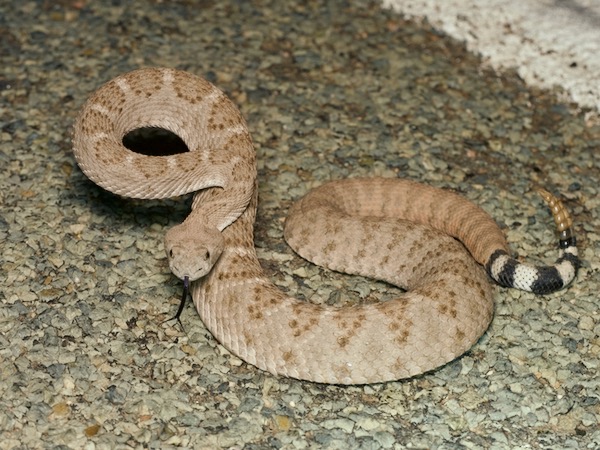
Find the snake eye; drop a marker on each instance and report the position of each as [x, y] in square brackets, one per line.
[207, 255]
[171, 253]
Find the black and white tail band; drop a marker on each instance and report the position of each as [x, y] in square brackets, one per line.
[509, 272]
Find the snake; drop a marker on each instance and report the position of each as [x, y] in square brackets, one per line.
[442, 250]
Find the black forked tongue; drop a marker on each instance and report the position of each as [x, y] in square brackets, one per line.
[184, 295]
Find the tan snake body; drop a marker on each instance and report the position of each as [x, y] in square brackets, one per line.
[395, 230]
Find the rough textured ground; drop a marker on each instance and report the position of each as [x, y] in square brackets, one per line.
[329, 90]
[549, 42]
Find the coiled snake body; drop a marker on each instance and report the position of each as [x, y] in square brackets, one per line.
[395, 230]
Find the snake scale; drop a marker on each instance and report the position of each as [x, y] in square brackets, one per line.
[400, 231]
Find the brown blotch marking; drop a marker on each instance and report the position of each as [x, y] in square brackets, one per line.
[396, 325]
[375, 226]
[449, 308]
[394, 308]
[299, 328]
[296, 330]
[243, 170]
[303, 235]
[342, 371]
[217, 158]
[452, 308]
[358, 321]
[350, 328]
[330, 247]
[364, 244]
[223, 276]
[247, 241]
[343, 341]
[288, 356]
[107, 152]
[223, 114]
[263, 292]
[248, 339]
[93, 121]
[337, 227]
[145, 86]
[236, 143]
[300, 309]
[259, 292]
[191, 88]
[237, 260]
[254, 312]
[342, 324]
[110, 97]
[332, 227]
[157, 168]
[402, 337]
[185, 162]
[395, 242]
[430, 291]
[399, 366]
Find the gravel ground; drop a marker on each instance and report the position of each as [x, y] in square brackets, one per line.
[549, 42]
[330, 89]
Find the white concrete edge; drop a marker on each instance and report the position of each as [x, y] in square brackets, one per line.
[549, 42]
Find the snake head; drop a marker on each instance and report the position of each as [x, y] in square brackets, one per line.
[192, 251]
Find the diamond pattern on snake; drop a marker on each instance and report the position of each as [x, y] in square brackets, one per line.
[358, 226]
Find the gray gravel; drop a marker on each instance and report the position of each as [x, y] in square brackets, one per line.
[549, 42]
[330, 89]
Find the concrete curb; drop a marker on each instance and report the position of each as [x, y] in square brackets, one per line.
[549, 42]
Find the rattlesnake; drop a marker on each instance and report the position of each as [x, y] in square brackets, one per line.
[383, 228]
